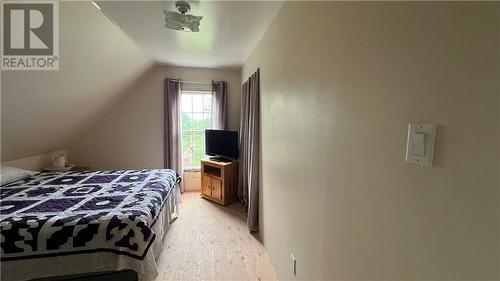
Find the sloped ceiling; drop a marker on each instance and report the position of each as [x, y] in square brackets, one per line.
[42, 111]
[229, 30]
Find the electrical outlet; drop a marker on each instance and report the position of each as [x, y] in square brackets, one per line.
[293, 265]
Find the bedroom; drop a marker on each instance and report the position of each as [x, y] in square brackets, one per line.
[337, 197]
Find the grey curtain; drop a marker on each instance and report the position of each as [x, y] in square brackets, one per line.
[219, 104]
[248, 184]
[172, 125]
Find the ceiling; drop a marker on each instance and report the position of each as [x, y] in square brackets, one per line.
[229, 30]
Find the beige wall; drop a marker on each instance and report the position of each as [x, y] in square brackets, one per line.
[42, 111]
[33, 163]
[340, 83]
[131, 134]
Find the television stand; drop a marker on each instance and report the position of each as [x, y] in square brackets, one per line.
[219, 181]
[220, 159]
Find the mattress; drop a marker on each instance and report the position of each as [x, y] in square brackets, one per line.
[56, 224]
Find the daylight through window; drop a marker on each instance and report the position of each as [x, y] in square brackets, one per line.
[196, 116]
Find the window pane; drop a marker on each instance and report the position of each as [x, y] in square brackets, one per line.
[197, 156]
[187, 146]
[187, 141]
[207, 120]
[199, 141]
[198, 121]
[186, 101]
[196, 116]
[197, 103]
[207, 103]
[186, 121]
[187, 161]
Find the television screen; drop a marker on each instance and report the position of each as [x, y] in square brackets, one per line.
[223, 144]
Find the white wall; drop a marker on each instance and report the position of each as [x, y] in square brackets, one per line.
[340, 83]
[42, 111]
[131, 134]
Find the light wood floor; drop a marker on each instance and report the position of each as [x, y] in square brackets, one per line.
[210, 242]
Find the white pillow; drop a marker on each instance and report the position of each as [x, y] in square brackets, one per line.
[11, 174]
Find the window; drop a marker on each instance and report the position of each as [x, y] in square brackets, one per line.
[196, 116]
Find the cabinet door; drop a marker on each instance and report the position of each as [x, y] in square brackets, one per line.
[216, 189]
[206, 186]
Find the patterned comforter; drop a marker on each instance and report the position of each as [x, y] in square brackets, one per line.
[54, 214]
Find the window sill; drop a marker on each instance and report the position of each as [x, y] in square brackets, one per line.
[192, 170]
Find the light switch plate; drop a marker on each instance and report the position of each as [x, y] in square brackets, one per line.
[420, 144]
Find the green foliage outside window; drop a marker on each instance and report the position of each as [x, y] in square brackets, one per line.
[196, 116]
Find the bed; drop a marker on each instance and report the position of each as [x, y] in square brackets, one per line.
[59, 224]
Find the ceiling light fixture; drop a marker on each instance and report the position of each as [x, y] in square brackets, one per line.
[180, 20]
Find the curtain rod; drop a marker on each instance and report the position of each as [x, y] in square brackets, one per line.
[195, 82]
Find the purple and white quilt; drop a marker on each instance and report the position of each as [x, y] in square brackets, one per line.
[54, 214]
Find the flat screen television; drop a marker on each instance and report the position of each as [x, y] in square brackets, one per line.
[222, 144]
